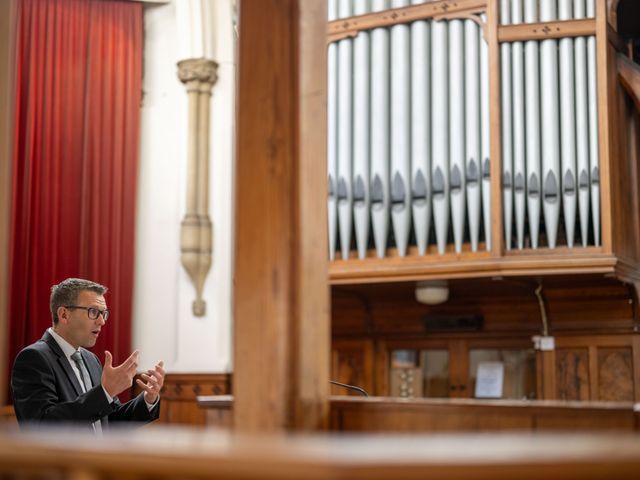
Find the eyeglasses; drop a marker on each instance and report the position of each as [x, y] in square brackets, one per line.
[92, 312]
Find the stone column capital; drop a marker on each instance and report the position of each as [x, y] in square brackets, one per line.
[198, 69]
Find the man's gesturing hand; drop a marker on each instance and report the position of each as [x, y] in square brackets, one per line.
[118, 379]
[152, 384]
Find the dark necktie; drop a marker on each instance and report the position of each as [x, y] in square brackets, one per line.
[84, 373]
[86, 381]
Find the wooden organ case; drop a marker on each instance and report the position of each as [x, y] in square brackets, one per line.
[486, 151]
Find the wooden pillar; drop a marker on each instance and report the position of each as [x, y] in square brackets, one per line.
[281, 293]
[7, 52]
[495, 121]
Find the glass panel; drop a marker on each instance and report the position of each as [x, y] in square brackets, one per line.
[435, 369]
[519, 367]
[403, 358]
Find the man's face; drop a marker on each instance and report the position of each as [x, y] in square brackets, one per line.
[74, 324]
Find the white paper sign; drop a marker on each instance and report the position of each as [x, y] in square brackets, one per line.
[489, 380]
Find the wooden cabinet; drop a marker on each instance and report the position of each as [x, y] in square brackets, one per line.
[599, 367]
[447, 367]
[382, 342]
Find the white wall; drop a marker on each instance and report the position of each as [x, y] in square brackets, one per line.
[164, 326]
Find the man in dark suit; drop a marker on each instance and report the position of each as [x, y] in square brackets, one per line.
[57, 380]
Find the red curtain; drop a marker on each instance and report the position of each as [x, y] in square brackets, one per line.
[75, 162]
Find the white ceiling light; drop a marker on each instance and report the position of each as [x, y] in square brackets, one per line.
[432, 292]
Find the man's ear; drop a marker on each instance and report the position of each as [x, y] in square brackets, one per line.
[62, 315]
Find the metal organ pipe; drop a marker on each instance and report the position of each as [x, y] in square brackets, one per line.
[507, 127]
[400, 133]
[519, 164]
[380, 133]
[472, 129]
[421, 131]
[440, 131]
[532, 123]
[582, 125]
[551, 130]
[332, 134]
[408, 132]
[568, 125]
[485, 138]
[361, 138]
[345, 134]
[457, 182]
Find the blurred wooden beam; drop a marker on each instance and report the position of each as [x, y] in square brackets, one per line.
[281, 305]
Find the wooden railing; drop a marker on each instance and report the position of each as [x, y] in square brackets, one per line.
[198, 454]
[384, 414]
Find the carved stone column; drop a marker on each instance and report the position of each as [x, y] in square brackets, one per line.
[199, 76]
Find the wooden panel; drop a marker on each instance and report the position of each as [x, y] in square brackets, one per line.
[354, 310]
[572, 374]
[430, 415]
[352, 363]
[615, 374]
[179, 405]
[281, 336]
[636, 368]
[546, 375]
[509, 307]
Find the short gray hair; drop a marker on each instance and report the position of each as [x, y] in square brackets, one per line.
[67, 291]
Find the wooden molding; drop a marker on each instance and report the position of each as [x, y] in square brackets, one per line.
[440, 10]
[545, 30]
[450, 266]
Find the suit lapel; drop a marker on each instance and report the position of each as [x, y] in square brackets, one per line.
[63, 362]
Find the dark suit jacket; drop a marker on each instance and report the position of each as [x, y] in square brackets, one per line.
[46, 389]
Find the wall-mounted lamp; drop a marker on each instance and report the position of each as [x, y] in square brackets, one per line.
[432, 292]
